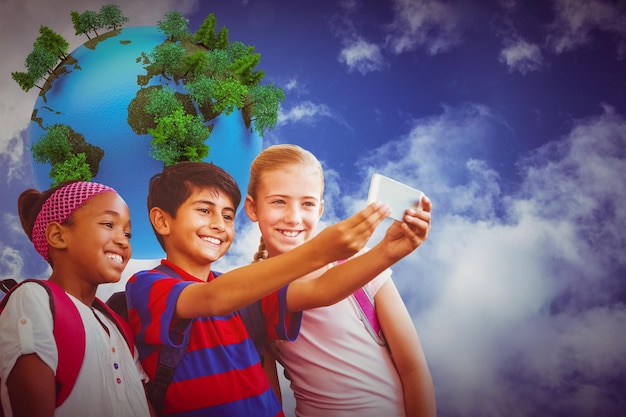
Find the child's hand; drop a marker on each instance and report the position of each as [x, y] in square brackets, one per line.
[404, 237]
[344, 239]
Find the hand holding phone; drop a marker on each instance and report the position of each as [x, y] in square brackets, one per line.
[398, 196]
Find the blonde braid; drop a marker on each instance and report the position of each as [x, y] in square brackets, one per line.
[261, 254]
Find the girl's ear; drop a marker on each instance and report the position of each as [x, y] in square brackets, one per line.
[321, 208]
[160, 221]
[250, 207]
[55, 235]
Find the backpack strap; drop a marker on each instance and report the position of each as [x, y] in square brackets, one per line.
[69, 338]
[367, 312]
[120, 322]
[117, 303]
[7, 284]
[254, 320]
[169, 356]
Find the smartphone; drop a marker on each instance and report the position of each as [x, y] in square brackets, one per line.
[398, 196]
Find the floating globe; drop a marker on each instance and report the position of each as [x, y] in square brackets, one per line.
[92, 96]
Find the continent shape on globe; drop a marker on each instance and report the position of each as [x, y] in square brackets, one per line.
[92, 97]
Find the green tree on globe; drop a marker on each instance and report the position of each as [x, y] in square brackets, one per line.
[131, 99]
[220, 77]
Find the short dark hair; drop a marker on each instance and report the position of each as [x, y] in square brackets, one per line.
[170, 188]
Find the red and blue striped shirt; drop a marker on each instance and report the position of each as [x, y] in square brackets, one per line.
[221, 373]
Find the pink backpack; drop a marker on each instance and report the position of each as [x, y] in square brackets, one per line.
[69, 333]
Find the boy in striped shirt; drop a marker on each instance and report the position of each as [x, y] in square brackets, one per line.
[192, 209]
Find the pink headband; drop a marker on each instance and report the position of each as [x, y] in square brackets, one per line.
[59, 206]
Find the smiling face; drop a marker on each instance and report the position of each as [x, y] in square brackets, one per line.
[201, 232]
[97, 245]
[288, 206]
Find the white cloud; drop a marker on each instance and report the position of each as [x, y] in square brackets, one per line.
[526, 299]
[430, 24]
[13, 225]
[12, 259]
[348, 5]
[522, 56]
[456, 143]
[19, 27]
[292, 84]
[576, 20]
[516, 297]
[12, 156]
[305, 111]
[362, 56]
[11, 262]
[579, 354]
[515, 310]
[294, 87]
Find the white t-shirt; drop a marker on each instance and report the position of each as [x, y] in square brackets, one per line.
[336, 367]
[110, 381]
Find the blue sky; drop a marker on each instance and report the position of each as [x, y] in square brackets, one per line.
[509, 115]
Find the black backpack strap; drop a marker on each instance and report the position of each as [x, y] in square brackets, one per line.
[120, 322]
[254, 320]
[117, 303]
[7, 284]
[169, 357]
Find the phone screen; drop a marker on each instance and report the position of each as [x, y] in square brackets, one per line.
[397, 195]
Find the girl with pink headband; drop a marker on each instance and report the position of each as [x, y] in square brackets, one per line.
[82, 229]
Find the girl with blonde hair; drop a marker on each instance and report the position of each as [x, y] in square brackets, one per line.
[336, 366]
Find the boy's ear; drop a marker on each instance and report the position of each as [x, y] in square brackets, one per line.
[55, 235]
[160, 221]
[321, 208]
[250, 207]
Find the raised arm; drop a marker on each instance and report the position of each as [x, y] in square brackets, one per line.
[242, 286]
[339, 282]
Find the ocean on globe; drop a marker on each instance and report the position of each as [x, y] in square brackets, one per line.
[93, 96]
